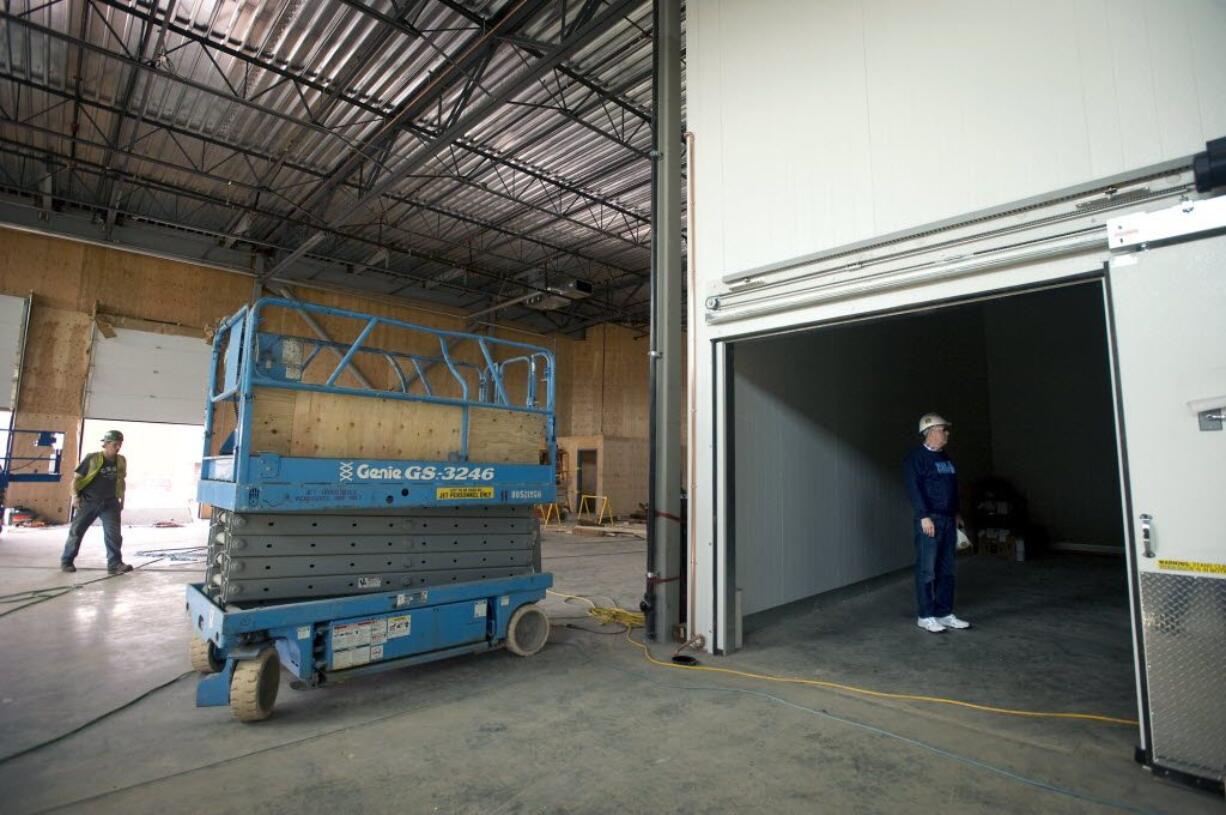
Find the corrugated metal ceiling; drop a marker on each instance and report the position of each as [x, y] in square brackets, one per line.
[463, 152]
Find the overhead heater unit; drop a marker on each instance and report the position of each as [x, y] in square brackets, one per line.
[559, 295]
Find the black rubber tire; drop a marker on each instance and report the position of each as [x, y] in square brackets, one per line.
[203, 656]
[527, 630]
[253, 688]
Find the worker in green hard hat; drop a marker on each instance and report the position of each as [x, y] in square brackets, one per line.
[97, 492]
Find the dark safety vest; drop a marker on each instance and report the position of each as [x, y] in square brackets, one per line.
[96, 461]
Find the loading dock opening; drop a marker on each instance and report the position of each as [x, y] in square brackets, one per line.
[821, 527]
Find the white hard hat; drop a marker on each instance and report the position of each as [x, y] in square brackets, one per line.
[931, 420]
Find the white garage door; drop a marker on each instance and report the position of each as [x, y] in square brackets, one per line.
[14, 312]
[140, 376]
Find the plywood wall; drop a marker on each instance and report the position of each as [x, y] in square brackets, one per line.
[607, 382]
[52, 383]
[604, 372]
[621, 470]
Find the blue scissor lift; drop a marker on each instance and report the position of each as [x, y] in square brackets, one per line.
[359, 528]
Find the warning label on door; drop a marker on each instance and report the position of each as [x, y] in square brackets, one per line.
[454, 493]
[1192, 566]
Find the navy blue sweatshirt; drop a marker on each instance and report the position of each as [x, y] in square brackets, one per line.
[932, 483]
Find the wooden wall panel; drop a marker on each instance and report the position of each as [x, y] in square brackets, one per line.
[624, 475]
[50, 501]
[501, 437]
[54, 269]
[626, 384]
[328, 425]
[585, 383]
[563, 404]
[52, 382]
[56, 360]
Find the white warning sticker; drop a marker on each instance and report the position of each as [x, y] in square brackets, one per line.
[376, 653]
[378, 631]
[369, 582]
[479, 609]
[304, 632]
[399, 626]
[505, 600]
[351, 658]
[350, 635]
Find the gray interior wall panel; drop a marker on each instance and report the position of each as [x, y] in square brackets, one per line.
[1053, 434]
[822, 422]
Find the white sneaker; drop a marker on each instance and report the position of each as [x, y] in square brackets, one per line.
[930, 624]
[950, 621]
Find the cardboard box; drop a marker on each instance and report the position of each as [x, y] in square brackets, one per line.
[1002, 543]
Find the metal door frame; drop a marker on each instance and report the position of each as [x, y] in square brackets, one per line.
[724, 442]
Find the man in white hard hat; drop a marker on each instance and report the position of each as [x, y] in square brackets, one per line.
[932, 485]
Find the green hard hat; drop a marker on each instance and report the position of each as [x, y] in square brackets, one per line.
[112, 435]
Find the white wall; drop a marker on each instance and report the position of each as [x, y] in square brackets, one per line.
[818, 124]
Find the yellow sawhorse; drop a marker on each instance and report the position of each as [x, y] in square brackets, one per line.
[547, 511]
[597, 506]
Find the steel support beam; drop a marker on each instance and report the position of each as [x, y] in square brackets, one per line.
[449, 135]
[470, 59]
[416, 279]
[664, 546]
[252, 204]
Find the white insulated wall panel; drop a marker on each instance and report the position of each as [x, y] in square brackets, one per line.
[821, 124]
[140, 376]
[818, 125]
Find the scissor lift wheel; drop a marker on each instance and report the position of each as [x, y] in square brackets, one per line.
[527, 630]
[253, 689]
[203, 656]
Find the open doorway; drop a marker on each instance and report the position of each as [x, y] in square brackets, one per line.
[586, 482]
[822, 545]
[163, 468]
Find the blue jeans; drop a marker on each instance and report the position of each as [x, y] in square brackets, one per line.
[934, 567]
[108, 511]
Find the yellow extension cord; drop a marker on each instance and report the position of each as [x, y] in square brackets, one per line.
[633, 619]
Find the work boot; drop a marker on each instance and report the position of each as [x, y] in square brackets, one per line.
[67, 567]
[119, 568]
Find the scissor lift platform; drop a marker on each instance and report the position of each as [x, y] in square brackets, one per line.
[371, 500]
[241, 652]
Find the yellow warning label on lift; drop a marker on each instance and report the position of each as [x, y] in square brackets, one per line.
[454, 493]
[1192, 566]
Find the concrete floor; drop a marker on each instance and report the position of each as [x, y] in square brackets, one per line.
[587, 725]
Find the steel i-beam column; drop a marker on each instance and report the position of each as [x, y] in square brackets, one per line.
[663, 602]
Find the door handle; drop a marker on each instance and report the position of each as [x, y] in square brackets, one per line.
[1147, 534]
